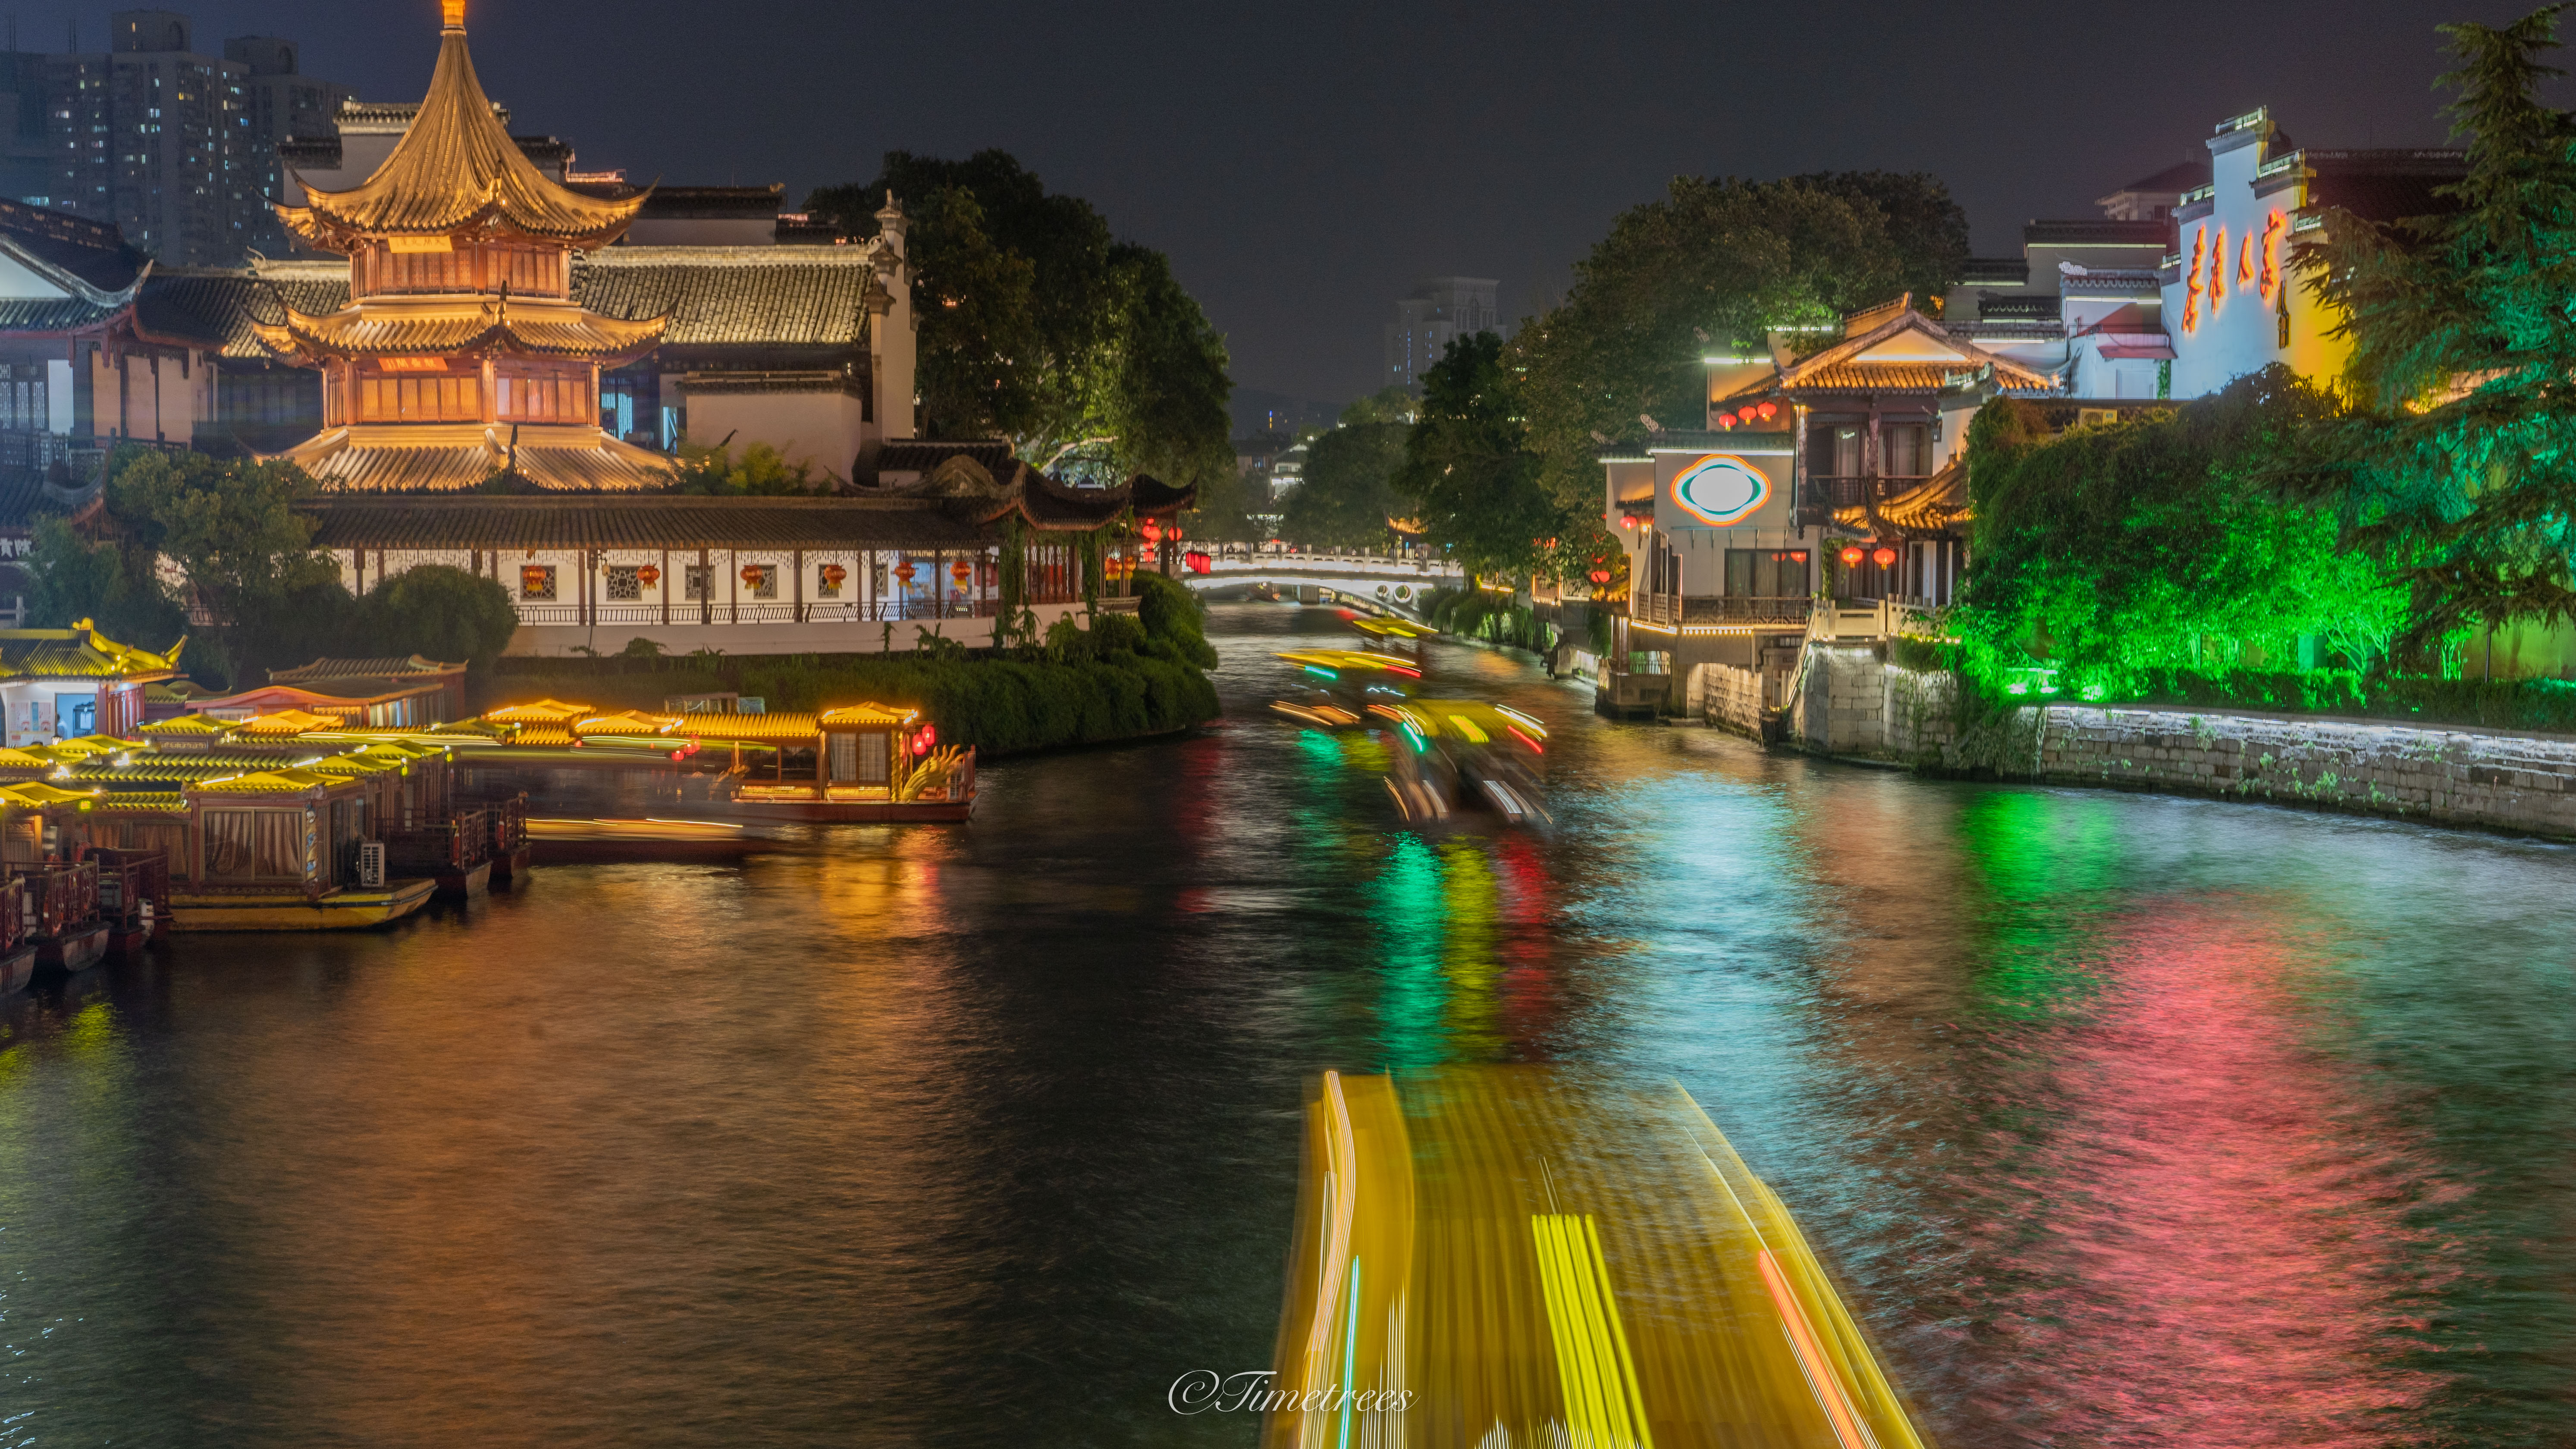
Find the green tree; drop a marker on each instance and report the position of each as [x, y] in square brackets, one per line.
[1469, 471]
[441, 612]
[761, 472]
[72, 579]
[1386, 405]
[1037, 325]
[1713, 266]
[1349, 491]
[2161, 542]
[2459, 473]
[231, 529]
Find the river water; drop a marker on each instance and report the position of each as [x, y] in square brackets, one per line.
[2124, 1120]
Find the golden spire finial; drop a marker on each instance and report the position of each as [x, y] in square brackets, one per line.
[454, 13]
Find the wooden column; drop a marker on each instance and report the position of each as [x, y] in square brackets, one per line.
[666, 588]
[707, 592]
[796, 591]
[733, 584]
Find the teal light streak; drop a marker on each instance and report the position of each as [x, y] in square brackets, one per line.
[1321, 672]
[1350, 1352]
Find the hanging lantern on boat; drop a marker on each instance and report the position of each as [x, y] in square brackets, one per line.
[929, 735]
[1883, 557]
[921, 744]
[833, 574]
[905, 571]
[1852, 557]
[648, 576]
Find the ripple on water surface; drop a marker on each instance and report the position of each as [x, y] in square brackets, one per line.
[2125, 1120]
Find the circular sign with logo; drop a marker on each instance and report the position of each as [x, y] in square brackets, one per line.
[1720, 489]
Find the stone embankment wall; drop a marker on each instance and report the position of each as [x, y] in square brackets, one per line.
[1729, 698]
[1852, 702]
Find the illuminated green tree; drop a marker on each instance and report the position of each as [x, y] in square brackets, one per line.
[1348, 493]
[1470, 473]
[2458, 472]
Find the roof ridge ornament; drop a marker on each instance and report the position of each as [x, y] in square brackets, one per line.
[452, 12]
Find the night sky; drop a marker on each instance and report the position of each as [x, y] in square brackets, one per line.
[1303, 166]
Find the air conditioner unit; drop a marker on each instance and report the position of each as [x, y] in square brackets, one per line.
[371, 864]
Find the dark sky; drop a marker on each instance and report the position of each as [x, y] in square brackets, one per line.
[1303, 165]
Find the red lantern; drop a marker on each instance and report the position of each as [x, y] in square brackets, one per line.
[752, 574]
[929, 735]
[1199, 563]
[833, 574]
[1745, 414]
[921, 744]
[1883, 557]
[961, 571]
[1176, 533]
[1767, 410]
[648, 576]
[1600, 576]
[1151, 531]
[1725, 422]
[1851, 558]
[905, 571]
[1798, 555]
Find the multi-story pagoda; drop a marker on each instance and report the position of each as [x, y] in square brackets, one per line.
[462, 354]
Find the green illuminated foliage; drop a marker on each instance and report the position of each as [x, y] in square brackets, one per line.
[2163, 542]
[2459, 470]
[1469, 472]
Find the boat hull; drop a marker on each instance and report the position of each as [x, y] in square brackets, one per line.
[77, 949]
[882, 812]
[461, 884]
[348, 910]
[511, 866]
[17, 969]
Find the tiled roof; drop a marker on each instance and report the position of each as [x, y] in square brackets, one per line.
[214, 307]
[456, 166]
[386, 668]
[537, 329]
[1937, 503]
[57, 314]
[557, 460]
[1882, 376]
[650, 522]
[1995, 271]
[94, 252]
[79, 652]
[813, 296]
[1995, 309]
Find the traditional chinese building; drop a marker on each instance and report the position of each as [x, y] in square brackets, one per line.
[462, 353]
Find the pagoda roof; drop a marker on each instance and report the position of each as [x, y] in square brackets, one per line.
[452, 457]
[1891, 349]
[457, 168]
[460, 326]
[80, 652]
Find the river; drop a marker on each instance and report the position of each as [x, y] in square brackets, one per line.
[2124, 1120]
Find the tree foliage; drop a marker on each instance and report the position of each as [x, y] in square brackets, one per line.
[1713, 266]
[440, 612]
[230, 529]
[1038, 325]
[2459, 472]
[760, 472]
[2161, 542]
[1469, 472]
[1348, 493]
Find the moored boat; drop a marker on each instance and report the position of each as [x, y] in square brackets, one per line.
[605, 842]
[352, 908]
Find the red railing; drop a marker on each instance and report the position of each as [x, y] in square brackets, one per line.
[127, 881]
[59, 897]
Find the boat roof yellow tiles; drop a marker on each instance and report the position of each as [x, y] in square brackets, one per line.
[20, 759]
[757, 728]
[544, 711]
[1394, 628]
[144, 803]
[98, 745]
[80, 652]
[1349, 659]
[870, 713]
[38, 794]
[189, 726]
[290, 722]
[263, 782]
[626, 722]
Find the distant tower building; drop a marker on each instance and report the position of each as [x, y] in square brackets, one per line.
[176, 148]
[1440, 311]
[279, 105]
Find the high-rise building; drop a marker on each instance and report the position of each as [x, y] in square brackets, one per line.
[1440, 311]
[280, 104]
[177, 148]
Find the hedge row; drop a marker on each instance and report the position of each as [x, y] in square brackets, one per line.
[1117, 680]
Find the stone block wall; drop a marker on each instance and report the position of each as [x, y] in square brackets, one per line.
[2448, 777]
[1730, 698]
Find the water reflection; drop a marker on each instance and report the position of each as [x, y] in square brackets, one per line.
[2124, 1120]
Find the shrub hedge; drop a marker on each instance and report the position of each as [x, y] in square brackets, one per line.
[1121, 678]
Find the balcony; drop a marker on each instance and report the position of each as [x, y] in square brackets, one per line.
[1821, 496]
[1726, 611]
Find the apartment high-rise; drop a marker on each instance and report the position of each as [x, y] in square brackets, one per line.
[175, 147]
[1440, 311]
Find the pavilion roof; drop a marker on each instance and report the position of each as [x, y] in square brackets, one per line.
[456, 168]
[80, 652]
[462, 326]
[450, 458]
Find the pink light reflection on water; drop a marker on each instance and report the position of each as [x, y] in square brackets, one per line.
[2212, 1224]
